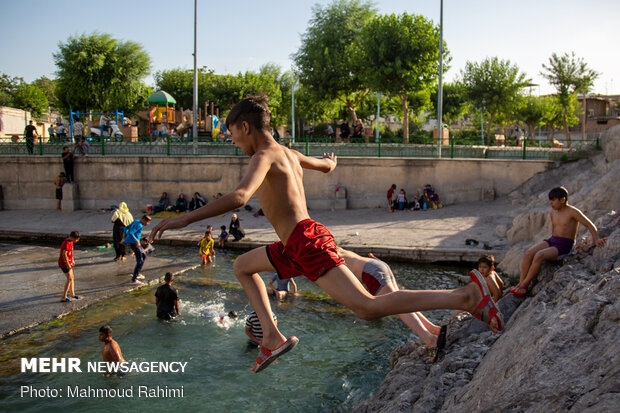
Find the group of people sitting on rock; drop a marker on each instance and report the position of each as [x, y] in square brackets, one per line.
[424, 199]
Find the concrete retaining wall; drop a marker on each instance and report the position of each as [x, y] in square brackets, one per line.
[28, 182]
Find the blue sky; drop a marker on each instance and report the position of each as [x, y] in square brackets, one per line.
[242, 35]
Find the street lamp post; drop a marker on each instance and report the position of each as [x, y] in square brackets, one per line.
[440, 89]
[195, 110]
[377, 120]
[482, 123]
[295, 83]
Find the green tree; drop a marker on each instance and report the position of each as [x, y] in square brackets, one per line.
[30, 98]
[495, 85]
[569, 75]
[48, 86]
[325, 60]
[99, 72]
[534, 112]
[454, 101]
[399, 55]
[8, 87]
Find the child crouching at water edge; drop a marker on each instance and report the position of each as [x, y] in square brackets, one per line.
[565, 220]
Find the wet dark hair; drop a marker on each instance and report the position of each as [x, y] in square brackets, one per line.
[168, 277]
[107, 330]
[558, 193]
[75, 234]
[232, 314]
[488, 260]
[253, 110]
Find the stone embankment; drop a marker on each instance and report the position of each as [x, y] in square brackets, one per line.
[559, 350]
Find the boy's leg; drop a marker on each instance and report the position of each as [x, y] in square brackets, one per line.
[67, 284]
[423, 328]
[342, 286]
[528, 257]
[71, 282]
[546, 254]
[246, 268]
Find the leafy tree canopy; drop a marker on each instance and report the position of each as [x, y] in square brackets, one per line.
[495, 85]
[30, 98]
[569, 75]
[99, 72]
[325, 60]
[399, 55]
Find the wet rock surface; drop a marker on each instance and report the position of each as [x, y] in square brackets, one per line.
[559, 350]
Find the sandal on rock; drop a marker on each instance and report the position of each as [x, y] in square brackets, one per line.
[519, 290]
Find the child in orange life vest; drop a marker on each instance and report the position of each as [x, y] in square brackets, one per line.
[206, 248]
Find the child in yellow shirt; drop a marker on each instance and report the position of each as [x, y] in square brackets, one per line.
[206, 248]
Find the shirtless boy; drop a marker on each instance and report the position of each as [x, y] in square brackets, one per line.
[110, 349]
[565, 220]
[486, 267]
[306, 248]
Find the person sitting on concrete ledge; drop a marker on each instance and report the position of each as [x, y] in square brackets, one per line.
[162, 204]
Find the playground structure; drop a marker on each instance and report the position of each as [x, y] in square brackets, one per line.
[93, 129]
[163, 120]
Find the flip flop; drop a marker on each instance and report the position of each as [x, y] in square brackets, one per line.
[266, 356]
[65, 300]
[519, 291]
[486, 309]
[77, 297]
[441, 344]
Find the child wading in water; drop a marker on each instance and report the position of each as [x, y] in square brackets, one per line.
[206, 248]
[565, 220]
[66, 264]
[275, 174]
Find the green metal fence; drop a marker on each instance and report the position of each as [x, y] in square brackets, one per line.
[180, 147]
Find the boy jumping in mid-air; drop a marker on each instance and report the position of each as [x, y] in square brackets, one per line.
[565, 220]
[275, 174]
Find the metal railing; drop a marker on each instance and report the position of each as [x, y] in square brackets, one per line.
[184, 147]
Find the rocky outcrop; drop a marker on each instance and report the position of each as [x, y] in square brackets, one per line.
[559, 350]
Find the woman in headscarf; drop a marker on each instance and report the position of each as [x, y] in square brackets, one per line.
[121, 218]
[235, 228]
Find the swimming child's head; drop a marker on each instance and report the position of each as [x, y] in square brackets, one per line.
[105, 333]
[486, 264]
[233, 314]
[253, 110]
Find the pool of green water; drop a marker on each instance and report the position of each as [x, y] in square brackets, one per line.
[340, 361]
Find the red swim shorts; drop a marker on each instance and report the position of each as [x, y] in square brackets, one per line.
[310, 251]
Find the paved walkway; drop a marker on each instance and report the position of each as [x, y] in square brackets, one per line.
[31, 281]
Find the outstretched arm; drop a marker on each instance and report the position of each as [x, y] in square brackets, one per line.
[257, 170]
[325, 164]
